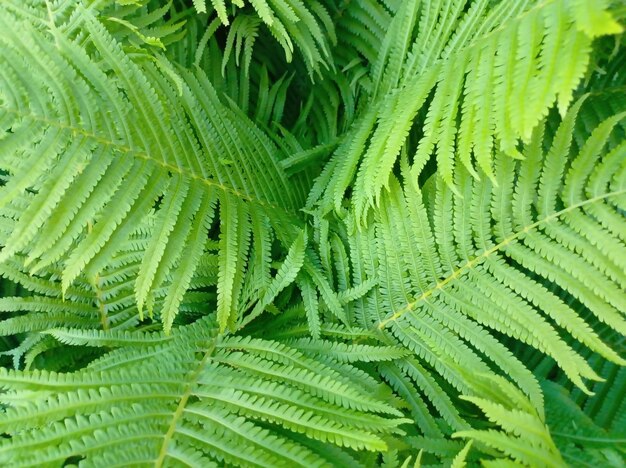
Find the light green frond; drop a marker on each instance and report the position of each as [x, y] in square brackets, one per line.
[207, 408]
[404, 387]
[308, 26]
[492, 71]
[163, 152]
[488, 275]
[104, 338]
[460, 460]
[348, 353]
[285, 275]
[456, 281]
[524, 436]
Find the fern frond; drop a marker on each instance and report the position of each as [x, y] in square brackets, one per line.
[456, 274]
[475, 256]
[188, 397]
[308, 26]
[347, 353]
[165, 151]
[492, 71]
[581, 440]
[524, 437]
[104, 338]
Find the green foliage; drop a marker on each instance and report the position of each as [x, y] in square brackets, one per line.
[285, 233]
[193, 396]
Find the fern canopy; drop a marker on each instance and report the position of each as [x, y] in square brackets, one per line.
[285, 233]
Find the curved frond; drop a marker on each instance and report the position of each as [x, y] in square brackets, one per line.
[150, 147]
[456, 274]
[189, 397]
[482, 75]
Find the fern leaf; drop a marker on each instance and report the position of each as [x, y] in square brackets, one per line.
[200, 5]
[285, 275]
[311, 305]
[205, 410]
[455, 273]
[488, 67]
[109, 338]
[524, 438]
[459, 460]
[173, 201]
[346, 353]
[112, 177]
[195, 244]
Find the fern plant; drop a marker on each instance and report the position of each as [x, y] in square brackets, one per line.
[284, 233]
